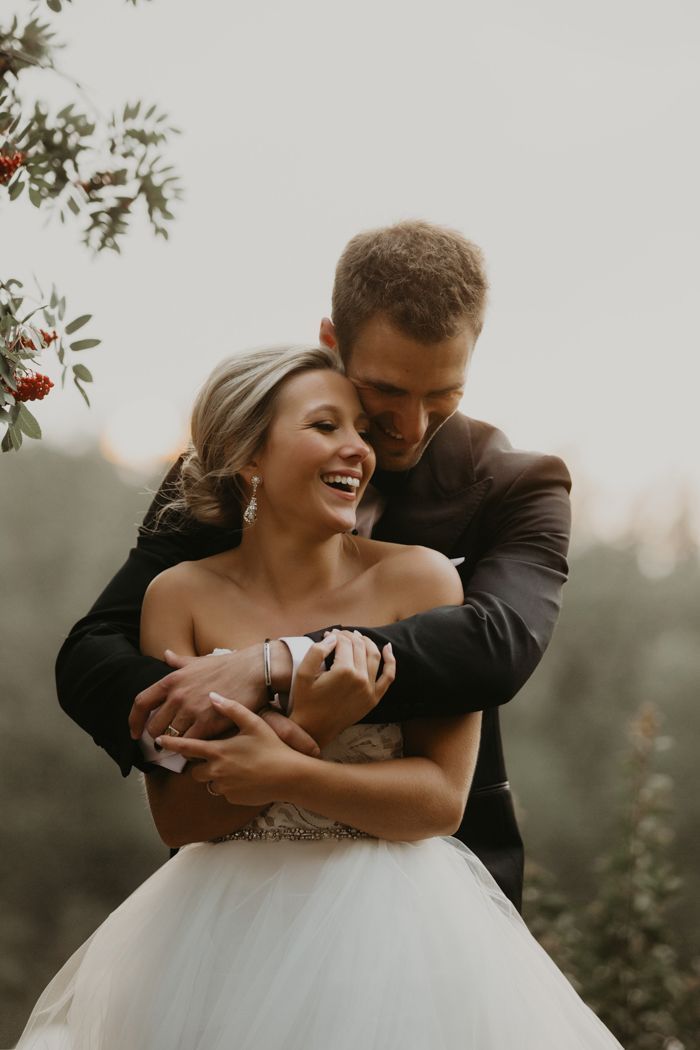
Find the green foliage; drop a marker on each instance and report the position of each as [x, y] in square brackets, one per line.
[619, 948]
[633, 979]
[97, 172]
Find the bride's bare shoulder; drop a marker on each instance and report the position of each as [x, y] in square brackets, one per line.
[394, 557]
[419, 577]
[193, 575]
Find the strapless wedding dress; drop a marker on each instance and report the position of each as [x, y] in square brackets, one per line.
[298, 933]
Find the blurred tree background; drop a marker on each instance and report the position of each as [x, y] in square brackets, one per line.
[77, 838]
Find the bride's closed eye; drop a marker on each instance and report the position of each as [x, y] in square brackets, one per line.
[329, 428]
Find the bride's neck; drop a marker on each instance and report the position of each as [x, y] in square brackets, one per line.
[288, 565]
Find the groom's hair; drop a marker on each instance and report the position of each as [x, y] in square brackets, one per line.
[427, 280]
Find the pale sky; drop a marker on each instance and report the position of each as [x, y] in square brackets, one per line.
[561, 137]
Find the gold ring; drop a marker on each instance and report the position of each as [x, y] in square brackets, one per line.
[171, 731]
[210, 789]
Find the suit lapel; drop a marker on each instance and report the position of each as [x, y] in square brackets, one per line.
[439, 497]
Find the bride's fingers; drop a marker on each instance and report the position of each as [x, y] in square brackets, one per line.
[188, 746]
[388, 672]
[343, 660]
[247, 721]
[359, 654]
[373, 658]
[313, 663]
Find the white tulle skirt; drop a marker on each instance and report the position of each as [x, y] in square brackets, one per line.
[329, 945]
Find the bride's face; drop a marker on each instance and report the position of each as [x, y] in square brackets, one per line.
[318, 435]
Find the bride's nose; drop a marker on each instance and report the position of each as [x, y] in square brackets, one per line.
[356, 449]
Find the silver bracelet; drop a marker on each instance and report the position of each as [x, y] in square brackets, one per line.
[267, 668]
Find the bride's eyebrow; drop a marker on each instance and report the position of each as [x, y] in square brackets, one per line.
[322, 408]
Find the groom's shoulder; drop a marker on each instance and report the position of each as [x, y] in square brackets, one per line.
[482, 450]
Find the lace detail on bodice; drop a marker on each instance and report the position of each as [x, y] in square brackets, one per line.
[283, 820]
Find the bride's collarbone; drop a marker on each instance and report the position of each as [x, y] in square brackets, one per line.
[249, 621]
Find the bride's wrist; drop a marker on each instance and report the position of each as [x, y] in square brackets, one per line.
[290, 774]
[280, 666]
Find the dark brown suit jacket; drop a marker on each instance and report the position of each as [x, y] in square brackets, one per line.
[472, 495]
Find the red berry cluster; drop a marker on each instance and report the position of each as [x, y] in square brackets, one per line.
[32, 387]
[47, 338]
[9, 165]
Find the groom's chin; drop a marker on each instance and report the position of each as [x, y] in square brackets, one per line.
[399, 460]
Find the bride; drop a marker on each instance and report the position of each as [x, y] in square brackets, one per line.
[318, 901]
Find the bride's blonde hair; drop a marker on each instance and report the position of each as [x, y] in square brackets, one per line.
[230, 420]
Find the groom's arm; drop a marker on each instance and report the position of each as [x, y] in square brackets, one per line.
[458, 659]
[99, 669]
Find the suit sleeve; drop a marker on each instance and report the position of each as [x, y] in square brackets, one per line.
[468, 658]
[99, 670]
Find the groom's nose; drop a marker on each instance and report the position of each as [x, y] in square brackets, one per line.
[412, 420]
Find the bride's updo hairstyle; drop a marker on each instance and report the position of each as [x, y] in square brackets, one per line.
[230, 420]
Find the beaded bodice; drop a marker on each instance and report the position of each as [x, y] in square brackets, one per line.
[283, 820]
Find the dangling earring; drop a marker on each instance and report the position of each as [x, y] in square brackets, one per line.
[251, 511]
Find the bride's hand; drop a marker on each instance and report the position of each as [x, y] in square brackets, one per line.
[249, 769]
[326, 702]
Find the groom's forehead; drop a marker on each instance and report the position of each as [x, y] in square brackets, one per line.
[438, 369]
[380, 344]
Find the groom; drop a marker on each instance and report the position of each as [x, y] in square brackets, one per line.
[408, 306]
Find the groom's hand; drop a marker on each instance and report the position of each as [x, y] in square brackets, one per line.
[181, 699]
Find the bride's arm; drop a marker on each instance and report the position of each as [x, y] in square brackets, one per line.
[182, 809]
[414, 797]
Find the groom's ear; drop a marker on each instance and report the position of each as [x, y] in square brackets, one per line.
[326, 335]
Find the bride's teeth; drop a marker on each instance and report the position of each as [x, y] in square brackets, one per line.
[341, 479]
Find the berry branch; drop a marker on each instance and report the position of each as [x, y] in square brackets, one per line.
[23, 346]
[82, 167]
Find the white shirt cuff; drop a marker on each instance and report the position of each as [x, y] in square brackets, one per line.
[298, 648]
[166, 759]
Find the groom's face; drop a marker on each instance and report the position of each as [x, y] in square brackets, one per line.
[408, 389]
